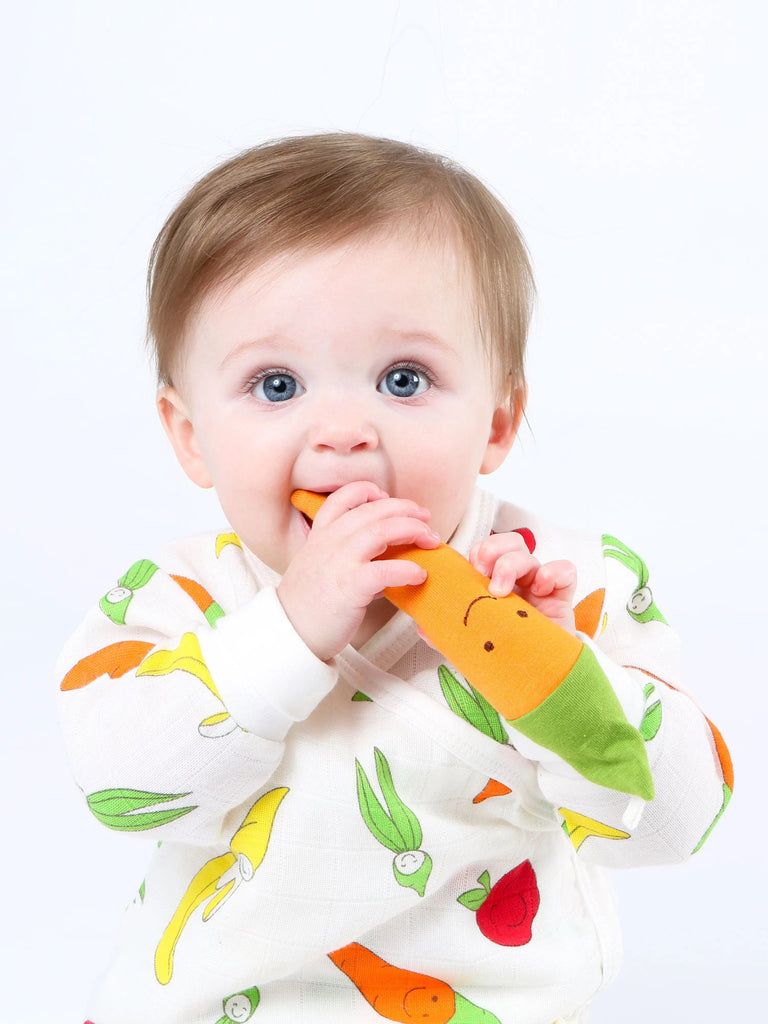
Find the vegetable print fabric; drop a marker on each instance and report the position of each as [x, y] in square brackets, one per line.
[370, 840]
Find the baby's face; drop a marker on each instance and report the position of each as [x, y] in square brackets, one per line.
[360, 362]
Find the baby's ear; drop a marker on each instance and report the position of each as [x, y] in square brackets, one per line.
[504, 426]
[181, 433]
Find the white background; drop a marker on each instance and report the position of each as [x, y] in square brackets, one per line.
[629, 140]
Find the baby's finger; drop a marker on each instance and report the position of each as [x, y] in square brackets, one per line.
[484, 555]
[512, 569]
[347, 498]
[372, 540]
[365, 503]
[383, 573]
[556, 579]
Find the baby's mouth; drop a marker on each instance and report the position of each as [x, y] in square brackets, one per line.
[308, 521]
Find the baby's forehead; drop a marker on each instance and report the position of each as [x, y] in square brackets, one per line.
[411, 242]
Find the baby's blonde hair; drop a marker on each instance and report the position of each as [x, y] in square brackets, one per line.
[310, 192]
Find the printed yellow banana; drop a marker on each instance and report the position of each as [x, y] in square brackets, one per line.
[579, 828]
[252, 838]
[202, 886]
[187, 657]
[226, 538]
[247, 850]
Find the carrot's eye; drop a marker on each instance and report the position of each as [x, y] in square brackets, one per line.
[488, 645]
[522, 613]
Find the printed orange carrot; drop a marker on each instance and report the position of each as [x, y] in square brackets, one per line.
[543, 680]
[491, 788]
[405, 996]
[587, 612]
[113, 661]
[210, 609]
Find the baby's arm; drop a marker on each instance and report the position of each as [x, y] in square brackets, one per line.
[174, 712]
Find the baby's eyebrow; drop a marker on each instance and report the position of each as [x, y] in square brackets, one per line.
[425, 336]
[266, 343]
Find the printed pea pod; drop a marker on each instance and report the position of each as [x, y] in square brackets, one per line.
[397, 827]
[240, 1007]
[124, 809]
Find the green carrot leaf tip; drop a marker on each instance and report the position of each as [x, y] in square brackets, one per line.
[123, 801]
[492, 717]
[139, 574]
[405, 821]
[651, 722]
[140, 821]
[380, 825]
[458, 700]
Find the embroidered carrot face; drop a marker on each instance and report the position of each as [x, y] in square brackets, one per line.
[540, 678]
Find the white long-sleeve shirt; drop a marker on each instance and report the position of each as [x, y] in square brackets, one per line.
[366, 839]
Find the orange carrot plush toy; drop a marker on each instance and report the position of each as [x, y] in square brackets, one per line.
[543, 680]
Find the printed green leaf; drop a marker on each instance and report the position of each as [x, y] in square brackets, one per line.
[380, 825]
[120, 809]
[614, 548]
[727, 794]
[459, 701]
[405, 820]
[474, 899]
[139, 574]
[493, 718]
[141, 821]
[472, 707]
[122, 801]
[651, 721]
[359, 695]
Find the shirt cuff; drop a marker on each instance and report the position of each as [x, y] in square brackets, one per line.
[266, 676]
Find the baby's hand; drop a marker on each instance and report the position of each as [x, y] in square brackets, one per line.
[506, 560]
[336, 574]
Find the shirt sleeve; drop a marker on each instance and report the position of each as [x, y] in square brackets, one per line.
[174, 711]
[638, 652]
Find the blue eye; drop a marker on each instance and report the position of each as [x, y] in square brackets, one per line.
[276, 387]
[404, 382]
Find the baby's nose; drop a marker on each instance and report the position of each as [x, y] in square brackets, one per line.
[343, 432]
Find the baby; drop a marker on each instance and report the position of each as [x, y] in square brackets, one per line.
[352, 826]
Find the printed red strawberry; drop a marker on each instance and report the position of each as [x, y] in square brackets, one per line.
[505, 912]
[527, 535]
